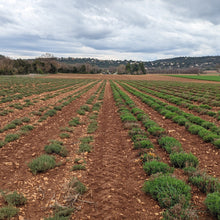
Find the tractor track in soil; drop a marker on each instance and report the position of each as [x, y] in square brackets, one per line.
[114, 176]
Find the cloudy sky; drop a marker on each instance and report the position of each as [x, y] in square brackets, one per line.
[110, 29]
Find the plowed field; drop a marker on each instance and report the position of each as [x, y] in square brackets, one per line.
[93, 119]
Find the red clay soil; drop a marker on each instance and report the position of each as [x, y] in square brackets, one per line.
[114, 175]
[42, 188]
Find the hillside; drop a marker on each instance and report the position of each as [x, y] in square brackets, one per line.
[205, 63]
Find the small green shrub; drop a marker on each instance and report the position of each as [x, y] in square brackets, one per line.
[57, 149]
[77, 186]
[216, 143]
[96, 106]
[14, 198]
[2, 143]
[64, 135]
[143, 144]
[67, 129]
[85, 108]
[180, 120]
[92, 127]
[27, 128]
[167, 190]
[17, 122]
[61, 213]
[81, 112]
[11, 137]
[203, 132]
[58, 108]
[50, 112]
[207, 125]
[128, 117]
[154, 166]
[170, 144]
[205, 182]
[182, 160]
[10, 126]
[210, 137]
[156, 131]
[195, 119]
[84, 147]
[194, 129]
[149, 123]
[42, 164]
[25, 119]
[189, 171]
[212, 202]
[179, 211]
[74, 122]
[170, 115]
[86, 139]
[78, 167]
[8, 212]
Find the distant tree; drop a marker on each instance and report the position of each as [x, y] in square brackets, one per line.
[142, 68]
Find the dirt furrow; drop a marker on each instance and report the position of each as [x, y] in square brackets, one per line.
[115, 176]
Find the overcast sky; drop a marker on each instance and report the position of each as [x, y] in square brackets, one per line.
[110, 29]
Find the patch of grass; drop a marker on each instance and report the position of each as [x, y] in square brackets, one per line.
[180, 120]
[210, 137]
[182, 160]
[27, 128]
[10, 126]
[212, 202]
[86, 139]
[17, 122]
[168, 190]
[25, 119]
[57, 149]
[204, 182]
[92, 127]
[2, 143]
[156, 131]
[67, 129]
[74, 122]
[78, 167]
[128, 117]
[143, 144]
[81, 112]
[170, 144]
[78, 187]
[61, 213]
[194, 129]
[96, 106]
[11, 137]
[155, 166]
[64, 135]
[8, 212]
[14, 198]
[58, 108]
[84, 147]
[42, 164]
[50, 112]
[85, 108]
[216, 143]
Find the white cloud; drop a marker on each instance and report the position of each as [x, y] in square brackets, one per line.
[132, 29]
